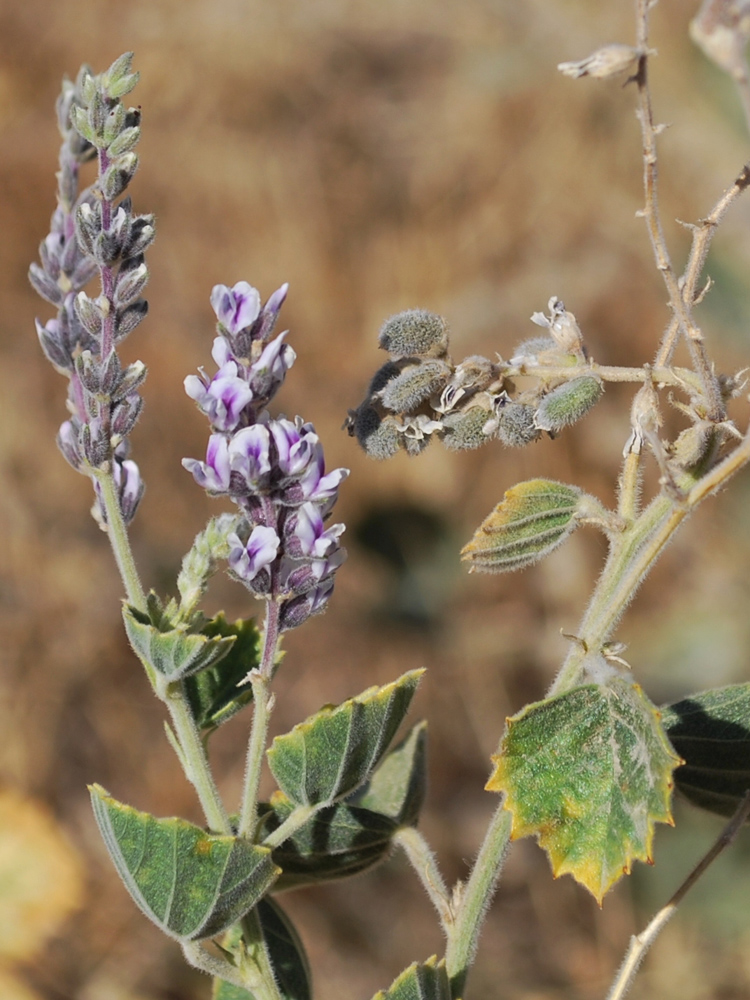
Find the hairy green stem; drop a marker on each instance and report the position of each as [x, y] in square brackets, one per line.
[117, 533]
[475, 898]
[262, 703]
[423, 862]
[630, 557]
[257, 967]
[198, 770]
[296, 818]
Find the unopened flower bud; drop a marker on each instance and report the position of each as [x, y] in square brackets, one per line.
[53, 344]
[113, 125]
[89, 313]
[95, 443]
[45, 286]
[414, 332]
[129, 318]
[118, 175]
[568, 403]
[131, 379]
[130, 284]
[140, 237]
[125, 416]
[609, 61]
[89, 372]
[414, 385]
[68, 443]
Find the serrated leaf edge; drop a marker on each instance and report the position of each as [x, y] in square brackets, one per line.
[519, 829]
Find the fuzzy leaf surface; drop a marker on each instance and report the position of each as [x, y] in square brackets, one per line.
[589, 773]
[338, 841]
[174, 653]
[285, 950]
[192, 884]
[419, 982]
[334, 751]
[531, 520]
[398, 786]
[711, 732]
[213, 694]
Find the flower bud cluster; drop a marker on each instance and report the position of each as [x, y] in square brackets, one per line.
[420, 393]
[91, 233]
[272, 469]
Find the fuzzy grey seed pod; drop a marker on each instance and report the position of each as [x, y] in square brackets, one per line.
[568, 403]
[379, 437]
[382, 377]
[414, 385]
[415, 332]
[529, 350]
[465, 429]
[415, 445]
[516, 426]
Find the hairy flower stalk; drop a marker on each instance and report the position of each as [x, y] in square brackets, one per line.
[94, 231]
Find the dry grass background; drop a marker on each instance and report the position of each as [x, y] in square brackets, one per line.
[377, 156]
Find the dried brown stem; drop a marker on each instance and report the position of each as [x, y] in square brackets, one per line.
[680, 307]
[639, 944]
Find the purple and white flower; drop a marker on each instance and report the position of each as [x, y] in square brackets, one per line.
[236, 308]
[247, 559]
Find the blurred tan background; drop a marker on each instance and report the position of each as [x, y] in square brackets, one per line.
[378, 156]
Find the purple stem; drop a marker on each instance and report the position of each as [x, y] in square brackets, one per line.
[107, 273]
[273, 607]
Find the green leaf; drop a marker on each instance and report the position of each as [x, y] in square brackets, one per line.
[589, 772]
[397, 787]
[711, 732]
[285, 951]
[333, 752]
[213, 694]
[336, 842]
[192, 884]
[420, 982]
[173, 653]
[532, 519]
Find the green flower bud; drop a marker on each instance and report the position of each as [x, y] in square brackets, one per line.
[414, 385]
[414, 332]
[568, 403]
[531, 520]
[516, 425]
[465, 430]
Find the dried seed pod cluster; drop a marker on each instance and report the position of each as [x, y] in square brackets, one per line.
[420, 393]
